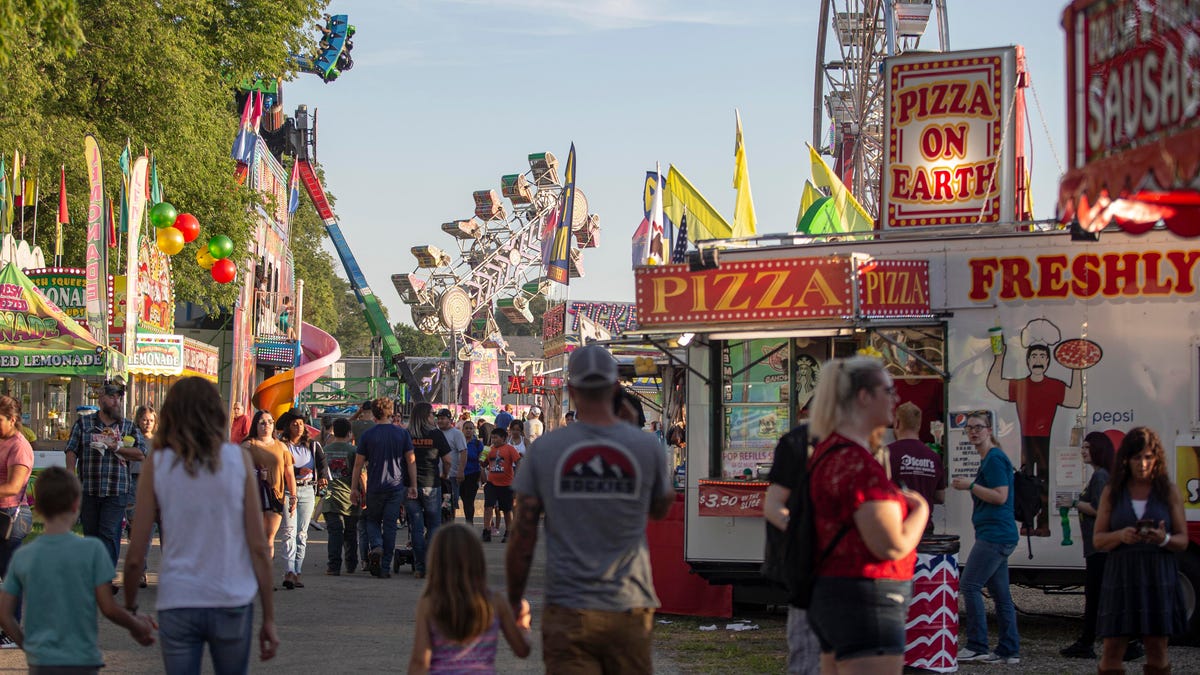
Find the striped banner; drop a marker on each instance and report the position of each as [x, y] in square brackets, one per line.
[96, 269]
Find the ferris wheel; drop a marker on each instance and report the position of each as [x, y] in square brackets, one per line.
[499, 259]
[853, 38]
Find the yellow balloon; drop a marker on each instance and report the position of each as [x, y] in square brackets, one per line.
[170, 240]
[204, 259]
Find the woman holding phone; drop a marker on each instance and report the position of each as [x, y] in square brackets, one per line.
[1141, 523]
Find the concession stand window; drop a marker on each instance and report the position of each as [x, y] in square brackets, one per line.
[765, 384]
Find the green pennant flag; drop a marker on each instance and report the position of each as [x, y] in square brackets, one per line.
[124, 161]
[156, 195]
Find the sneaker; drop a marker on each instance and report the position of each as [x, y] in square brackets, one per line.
[7, 642]
[1078, 650]
[316, 526]
[487, 534]
[968, 655]
[996, 658]
[333, 573]
[375, 560]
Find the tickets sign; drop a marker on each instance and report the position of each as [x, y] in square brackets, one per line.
[745, 292]
[948, 157]
[737, 499]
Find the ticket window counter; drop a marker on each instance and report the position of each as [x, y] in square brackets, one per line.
[766, 386]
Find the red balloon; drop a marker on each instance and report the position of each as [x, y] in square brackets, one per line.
[188, 225]
[224, 271]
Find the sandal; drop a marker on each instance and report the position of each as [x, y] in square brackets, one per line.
[296, 580]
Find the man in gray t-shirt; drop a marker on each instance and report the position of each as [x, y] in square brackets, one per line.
[458, 454]
[597, 481]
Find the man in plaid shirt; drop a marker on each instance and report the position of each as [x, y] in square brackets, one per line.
[97, 452]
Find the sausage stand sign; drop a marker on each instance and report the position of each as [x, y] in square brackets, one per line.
[949, 160]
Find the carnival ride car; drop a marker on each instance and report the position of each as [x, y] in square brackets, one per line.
[332, 55]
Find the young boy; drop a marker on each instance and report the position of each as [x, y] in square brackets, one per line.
[501, 462]
[63, 578]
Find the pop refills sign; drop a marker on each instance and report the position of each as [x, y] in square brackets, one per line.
[949, 160]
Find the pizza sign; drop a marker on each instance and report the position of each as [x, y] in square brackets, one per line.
[947, 150]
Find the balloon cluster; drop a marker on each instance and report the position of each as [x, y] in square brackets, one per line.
[176, 229]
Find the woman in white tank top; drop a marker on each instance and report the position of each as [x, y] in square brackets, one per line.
[215, 555]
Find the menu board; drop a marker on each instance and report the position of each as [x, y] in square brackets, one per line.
[755, 371]
[751, 433]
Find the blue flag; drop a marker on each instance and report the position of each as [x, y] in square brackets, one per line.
[558, 265]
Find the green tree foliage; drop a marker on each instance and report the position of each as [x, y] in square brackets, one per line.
[415, 343]
[52, 24]
[156, 73]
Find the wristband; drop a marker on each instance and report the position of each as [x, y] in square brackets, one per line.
[1166, 540]
[971, 487]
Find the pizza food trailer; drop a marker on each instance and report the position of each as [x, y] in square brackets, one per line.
[965, 322]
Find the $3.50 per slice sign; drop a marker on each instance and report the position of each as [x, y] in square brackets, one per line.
[732, 498]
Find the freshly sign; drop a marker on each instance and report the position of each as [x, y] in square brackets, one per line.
[1086, 275]
[946, 149]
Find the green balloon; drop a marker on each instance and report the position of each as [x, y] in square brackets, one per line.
[220, 246]
[163, 215]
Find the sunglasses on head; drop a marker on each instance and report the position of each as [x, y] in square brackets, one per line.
[114, 391]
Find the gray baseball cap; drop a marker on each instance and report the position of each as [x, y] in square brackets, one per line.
[591, 367]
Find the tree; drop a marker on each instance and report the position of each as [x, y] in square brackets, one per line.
[415, 343]
[52, 24]
[156, 73]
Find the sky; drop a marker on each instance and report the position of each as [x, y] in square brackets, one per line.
[446, 96]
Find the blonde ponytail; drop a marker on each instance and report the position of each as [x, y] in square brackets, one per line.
[833, 399]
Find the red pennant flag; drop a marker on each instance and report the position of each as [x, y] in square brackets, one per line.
[63, 216]
[112, 224]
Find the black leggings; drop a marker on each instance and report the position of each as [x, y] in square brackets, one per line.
[467, 489]
[1091, 594]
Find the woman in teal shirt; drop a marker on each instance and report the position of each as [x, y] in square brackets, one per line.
[995, 538]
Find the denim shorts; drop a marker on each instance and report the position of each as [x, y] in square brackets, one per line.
[854, 618]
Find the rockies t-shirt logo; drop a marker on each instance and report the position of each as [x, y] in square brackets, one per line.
[593, 470]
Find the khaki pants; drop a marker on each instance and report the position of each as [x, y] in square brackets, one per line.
[592, 641]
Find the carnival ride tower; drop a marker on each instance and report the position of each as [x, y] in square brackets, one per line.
[500, 259]
[853, 39]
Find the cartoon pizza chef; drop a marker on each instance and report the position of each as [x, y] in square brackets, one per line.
[1037, 399]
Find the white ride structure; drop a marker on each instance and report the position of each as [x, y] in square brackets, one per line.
[853, 38]
[500, 257]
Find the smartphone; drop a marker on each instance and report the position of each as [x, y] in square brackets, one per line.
[1145, 525]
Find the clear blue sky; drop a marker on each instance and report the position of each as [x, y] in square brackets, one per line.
[448, 95]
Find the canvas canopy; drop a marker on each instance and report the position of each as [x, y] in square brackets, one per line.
[37, 338]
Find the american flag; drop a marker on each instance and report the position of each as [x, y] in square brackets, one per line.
[679, 254]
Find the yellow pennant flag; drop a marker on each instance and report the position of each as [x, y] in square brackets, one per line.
[853, 216]
[704, 222]
[744, 221]
[808, 197]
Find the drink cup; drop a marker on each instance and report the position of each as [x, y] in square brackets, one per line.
[996, 335]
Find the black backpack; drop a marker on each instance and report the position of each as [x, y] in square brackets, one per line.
[1027, 501]
[789, 559]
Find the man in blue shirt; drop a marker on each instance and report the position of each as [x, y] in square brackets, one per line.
[381, 450]
[99, 452]
[504, 417]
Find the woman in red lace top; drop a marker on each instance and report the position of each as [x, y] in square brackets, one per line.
[867, 527]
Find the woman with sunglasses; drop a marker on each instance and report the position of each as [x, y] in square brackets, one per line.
[867, 528]
[311, 474]
[276, 474]
[995, 538]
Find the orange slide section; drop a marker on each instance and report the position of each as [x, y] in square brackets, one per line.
[318, 350]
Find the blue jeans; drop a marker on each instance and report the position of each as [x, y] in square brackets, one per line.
[424, 516]
[988, 565]
[295, 528]
[183, 633]
[343, 534]
[383, 510]
[101, 518]
[454, 497]
[362, 538]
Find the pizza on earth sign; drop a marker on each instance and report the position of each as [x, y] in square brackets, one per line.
[949, 159]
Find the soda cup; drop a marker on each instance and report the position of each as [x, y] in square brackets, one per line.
[996, 335]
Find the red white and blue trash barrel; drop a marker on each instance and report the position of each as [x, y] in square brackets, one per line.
[931, 633]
